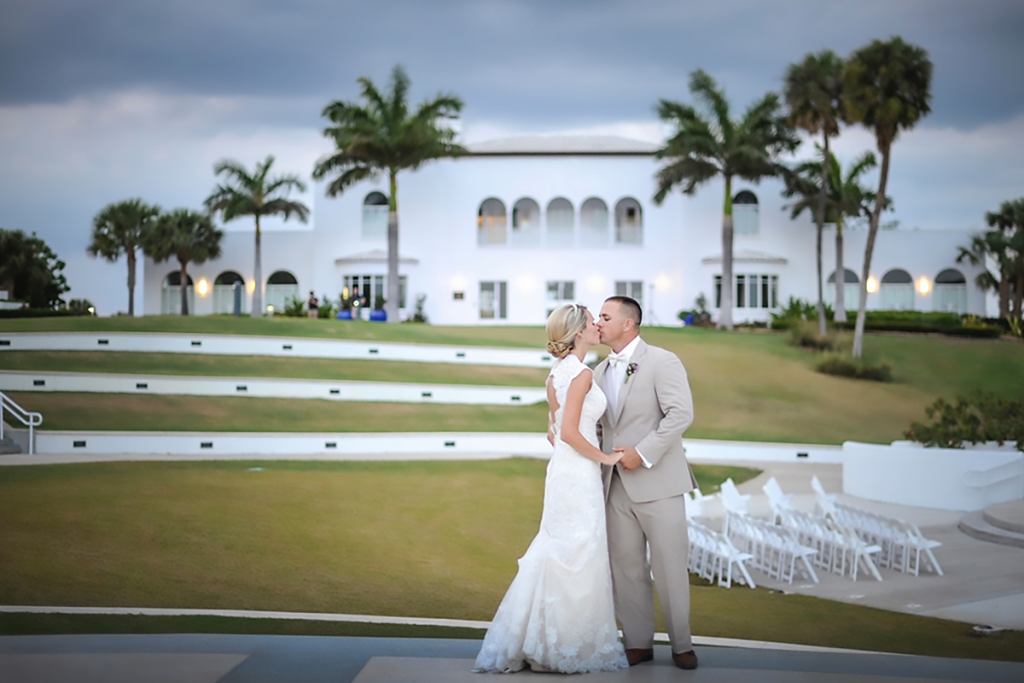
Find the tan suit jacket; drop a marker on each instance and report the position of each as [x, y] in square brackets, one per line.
[653, 409]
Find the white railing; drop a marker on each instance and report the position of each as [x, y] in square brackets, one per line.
[29, 419]
[984, 479]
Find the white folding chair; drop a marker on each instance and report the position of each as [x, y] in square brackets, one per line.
[776, 498]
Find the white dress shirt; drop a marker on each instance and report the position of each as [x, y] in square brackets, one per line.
[615, 378]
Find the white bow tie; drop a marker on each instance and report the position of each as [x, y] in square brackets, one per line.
[616, 358]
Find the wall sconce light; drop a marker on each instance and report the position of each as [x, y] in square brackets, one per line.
[250, 286]
[924, 286]
[204, 287]
[872, 285]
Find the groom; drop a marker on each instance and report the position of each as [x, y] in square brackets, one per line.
[649, 408]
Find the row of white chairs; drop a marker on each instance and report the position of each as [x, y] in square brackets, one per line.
[901, 543]
[713, 557]
[839, 549]
[773, 549]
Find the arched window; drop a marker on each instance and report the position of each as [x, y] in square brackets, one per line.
[897, 290]
[851, 289]
[491, 223]
[281, 287]
[594, 223]
[375, 215]
[170, 295]
[745, 217]
[525, 223]
[224, 292]
[629, 222]
[561, 223]
[950, 291]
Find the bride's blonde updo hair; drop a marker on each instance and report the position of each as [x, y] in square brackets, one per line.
[564, 323]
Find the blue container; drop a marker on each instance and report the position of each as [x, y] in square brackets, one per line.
[378, 315]
[345, 315]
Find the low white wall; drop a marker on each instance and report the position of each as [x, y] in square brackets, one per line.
[241, 345]
[938, 478]
[410, 445]
[700, 450]
[270, 388]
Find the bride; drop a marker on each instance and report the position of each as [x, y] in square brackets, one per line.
[558, 614]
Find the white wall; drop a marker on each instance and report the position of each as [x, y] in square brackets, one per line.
[437, 211]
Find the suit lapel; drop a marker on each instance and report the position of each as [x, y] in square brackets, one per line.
[637, 357]
[599, 380]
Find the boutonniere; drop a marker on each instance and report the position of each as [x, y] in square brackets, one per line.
[631, 370]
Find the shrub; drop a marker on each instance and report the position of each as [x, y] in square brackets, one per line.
[797, 310]
[81, 307]
[842, 365]
[327, 308]
[977, 417]
[294, 308]
[379, 302]
[35, 312]
[805, 333]
[418, 316]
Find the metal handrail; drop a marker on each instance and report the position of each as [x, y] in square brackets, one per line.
[27, 418]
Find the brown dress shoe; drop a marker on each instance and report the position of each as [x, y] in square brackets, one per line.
[639, 655]
[685, 660]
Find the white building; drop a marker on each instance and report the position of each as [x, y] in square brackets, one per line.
[523, 224]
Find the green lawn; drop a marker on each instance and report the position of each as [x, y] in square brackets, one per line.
[432, 539]
[529, 337]
[746, 386]
[270, 366]
[130, 412]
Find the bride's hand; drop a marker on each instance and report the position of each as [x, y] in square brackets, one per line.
[616, 455]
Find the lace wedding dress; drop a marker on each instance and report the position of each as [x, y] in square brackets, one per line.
[558, 613]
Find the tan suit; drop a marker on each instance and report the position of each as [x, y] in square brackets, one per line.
[645, 507]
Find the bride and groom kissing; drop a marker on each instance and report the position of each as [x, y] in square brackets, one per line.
[614, 489]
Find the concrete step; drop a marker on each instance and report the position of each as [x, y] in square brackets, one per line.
[974, 524]
[8, 447]
[1008, 516]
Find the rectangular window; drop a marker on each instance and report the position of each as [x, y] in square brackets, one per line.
[493, 303]
[372, 286]
[753, 291]
[561, 291]
[631, 288]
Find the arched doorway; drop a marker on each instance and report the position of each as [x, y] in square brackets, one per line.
[170, 294]
[281, 286]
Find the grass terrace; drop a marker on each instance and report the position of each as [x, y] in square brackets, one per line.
[747, 386]
[437, 539]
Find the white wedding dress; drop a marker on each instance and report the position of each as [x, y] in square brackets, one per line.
[558, 613]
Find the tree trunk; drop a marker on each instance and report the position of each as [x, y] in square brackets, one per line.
[725, 311]
[820, 225]
[257, 275]
[876, 215]
[131, 281]
[840, 273]
[184, 287]
[1004, 296]
[392, 302]
[1018, 294]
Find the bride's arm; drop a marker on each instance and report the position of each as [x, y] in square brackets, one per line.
[571, 421]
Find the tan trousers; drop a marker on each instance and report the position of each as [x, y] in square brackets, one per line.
[631, 527]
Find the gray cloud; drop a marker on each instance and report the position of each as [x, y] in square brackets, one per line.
[537, 63]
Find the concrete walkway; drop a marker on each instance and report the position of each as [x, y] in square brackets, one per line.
[319, 659]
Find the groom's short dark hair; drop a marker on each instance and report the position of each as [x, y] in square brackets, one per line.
[630, 306]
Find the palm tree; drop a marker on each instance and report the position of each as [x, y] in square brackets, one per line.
[1005, 246]
[813, 92]
[121, 228]
[188, 235]
[254, 194]
[887, 89]
[992, 244]
[709, 143]
[1009, 220]
[846, 198]
[383, 136]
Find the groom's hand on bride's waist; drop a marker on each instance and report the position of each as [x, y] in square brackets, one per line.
[631, 459]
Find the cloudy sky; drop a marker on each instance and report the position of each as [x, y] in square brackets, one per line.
[102, 100]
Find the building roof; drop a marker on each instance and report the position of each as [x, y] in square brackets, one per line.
[747, 256]
[374, 256]
[563, 145]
